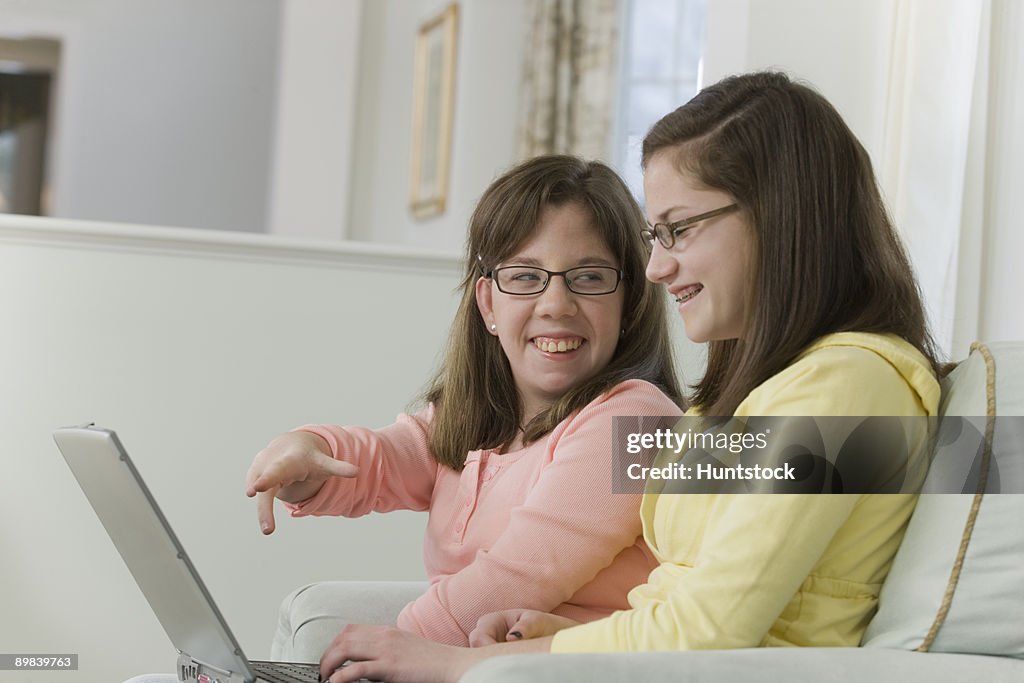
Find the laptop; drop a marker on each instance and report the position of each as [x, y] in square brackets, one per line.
[207, 650]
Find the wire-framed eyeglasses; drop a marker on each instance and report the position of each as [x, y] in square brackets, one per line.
[527, 280]
[668, 233]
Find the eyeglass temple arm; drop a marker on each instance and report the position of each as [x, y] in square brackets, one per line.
[483, 271]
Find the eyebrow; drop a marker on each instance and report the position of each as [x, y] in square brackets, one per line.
[585, 261]
[663, 216]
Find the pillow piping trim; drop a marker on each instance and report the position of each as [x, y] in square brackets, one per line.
[979, 494]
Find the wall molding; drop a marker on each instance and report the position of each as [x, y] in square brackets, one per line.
[216, 244]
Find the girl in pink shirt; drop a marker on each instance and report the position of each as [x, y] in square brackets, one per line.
[557, 331]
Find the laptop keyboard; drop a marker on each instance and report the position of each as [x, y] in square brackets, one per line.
[283, 672]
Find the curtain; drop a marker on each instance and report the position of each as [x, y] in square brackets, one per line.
[949, 154]
[568, 86]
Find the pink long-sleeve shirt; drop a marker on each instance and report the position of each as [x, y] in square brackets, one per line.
[536, 528]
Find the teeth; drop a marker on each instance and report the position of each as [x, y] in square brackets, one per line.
[560, 346]
[689, 294]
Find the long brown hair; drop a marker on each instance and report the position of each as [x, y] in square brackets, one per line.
[476, 404]
[827, 258]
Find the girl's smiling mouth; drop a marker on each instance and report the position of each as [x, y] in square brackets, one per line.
[688, 292]
[558, 345]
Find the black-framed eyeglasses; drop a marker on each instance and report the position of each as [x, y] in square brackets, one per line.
[527, 280]
[668, 233]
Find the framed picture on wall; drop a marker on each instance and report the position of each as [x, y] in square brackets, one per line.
[433, 103]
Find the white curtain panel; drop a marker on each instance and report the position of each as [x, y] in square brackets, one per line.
[948, 159]
[1002, 314]
[568, 88]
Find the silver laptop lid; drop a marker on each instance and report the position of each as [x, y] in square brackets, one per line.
[149, 547]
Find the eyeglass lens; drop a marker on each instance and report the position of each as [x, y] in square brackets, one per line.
[659, 232]
[583, 280]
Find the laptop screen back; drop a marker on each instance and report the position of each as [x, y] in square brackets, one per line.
[149, 547]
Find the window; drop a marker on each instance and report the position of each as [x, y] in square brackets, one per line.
[661, 50]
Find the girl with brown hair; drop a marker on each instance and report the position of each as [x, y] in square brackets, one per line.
[557, 331]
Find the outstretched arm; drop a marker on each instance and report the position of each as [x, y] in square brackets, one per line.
[293, 467]
[397, 469]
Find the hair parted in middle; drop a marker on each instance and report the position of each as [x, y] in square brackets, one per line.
[826, 255]
[476, 403]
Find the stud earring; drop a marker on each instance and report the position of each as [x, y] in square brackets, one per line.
[494, 328]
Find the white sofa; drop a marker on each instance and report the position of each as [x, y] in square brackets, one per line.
[952, 609]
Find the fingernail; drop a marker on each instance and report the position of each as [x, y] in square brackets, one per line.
[514, 634]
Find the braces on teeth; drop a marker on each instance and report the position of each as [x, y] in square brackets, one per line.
[689, 295]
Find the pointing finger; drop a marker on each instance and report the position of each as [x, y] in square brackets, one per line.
[265, 510]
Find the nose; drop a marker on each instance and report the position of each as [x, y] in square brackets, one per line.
[661, 265]
[557, 301]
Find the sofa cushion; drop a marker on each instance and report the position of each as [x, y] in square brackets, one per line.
[957, 582]
[755, 665]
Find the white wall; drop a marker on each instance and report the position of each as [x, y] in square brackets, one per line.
[316, 102]
[842, 48]
[198, 347]
[486, 101]
[163, 109]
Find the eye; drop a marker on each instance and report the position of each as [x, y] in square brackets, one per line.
[678, 233]
[589, 276]
[524, 276]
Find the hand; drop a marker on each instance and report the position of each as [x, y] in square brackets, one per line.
[516, 624]
[385, 653]
[293, 467]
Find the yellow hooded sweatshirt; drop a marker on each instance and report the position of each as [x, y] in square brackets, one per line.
[748, 570]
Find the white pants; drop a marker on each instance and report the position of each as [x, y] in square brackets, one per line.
[311, 616]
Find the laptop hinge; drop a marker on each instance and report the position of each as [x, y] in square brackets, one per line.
[193, 671]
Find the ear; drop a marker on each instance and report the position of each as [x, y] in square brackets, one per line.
[484, 303]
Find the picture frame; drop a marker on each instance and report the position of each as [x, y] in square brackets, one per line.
[433, 105]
